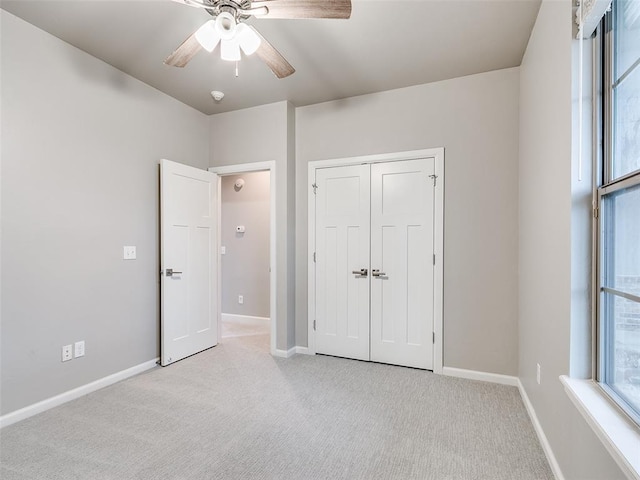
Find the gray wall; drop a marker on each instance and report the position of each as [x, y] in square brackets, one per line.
[475, 119]
[548, 295]
[263, 134]
[245, 265]
[81, 143]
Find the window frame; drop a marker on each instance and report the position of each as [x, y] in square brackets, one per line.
[604, 186]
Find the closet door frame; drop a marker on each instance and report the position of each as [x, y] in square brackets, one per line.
[438, 155]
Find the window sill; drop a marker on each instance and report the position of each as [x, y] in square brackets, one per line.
[618, 434]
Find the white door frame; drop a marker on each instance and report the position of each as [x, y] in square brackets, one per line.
[244, 168]
[438, 315]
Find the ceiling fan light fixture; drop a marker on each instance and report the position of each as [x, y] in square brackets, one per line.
[248, 39]
[208, 36]
[230, 50]
[225, 25]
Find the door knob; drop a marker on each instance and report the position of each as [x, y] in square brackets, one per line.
[362, 272]
[378, 273]
[171, 272]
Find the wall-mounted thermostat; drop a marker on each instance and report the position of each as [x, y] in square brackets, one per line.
[240, 229]
[129, 252]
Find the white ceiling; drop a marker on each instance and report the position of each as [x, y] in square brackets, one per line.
[386, 44]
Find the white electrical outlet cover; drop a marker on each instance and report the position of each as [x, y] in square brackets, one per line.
[67, 353]
[79, 349]
[129, 252]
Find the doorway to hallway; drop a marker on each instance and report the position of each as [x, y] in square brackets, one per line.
[244, 322]
[244, 253]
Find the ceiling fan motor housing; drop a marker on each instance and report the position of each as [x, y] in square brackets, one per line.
[230, 6]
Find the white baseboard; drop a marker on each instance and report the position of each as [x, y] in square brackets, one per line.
[546, 446]
[247, 320]
[284, 353]
[31, 410]
[291, 352]
[482, 376]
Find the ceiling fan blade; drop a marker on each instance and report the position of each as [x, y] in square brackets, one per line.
[274, 60]
[305, 8]
[184, 53]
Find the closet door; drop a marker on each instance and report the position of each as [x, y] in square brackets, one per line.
[402, 281]
[342, 261]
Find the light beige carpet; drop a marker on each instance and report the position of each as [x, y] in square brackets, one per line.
[235, 412]
[239, 328]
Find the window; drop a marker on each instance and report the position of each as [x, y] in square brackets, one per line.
[618, 197]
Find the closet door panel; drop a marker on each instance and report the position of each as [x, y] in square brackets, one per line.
[402, 214]
[342, 247]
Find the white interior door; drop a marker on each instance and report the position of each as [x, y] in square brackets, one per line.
[402, 275]
[342, 248]
[188, 218]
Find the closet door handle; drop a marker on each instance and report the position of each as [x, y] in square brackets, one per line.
[362, 272]
[378, 273]
[171, 272]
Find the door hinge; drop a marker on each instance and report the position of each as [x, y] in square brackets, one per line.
[434, 337]
[434, 258]
[596, 211]
[434, 178]
[314, 325]
[314, 257]
[315, 187]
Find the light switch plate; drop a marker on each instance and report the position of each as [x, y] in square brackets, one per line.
[129, 252]
[223, 250]
[79, 349]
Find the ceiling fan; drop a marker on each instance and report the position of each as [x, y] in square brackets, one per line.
[228, 29]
